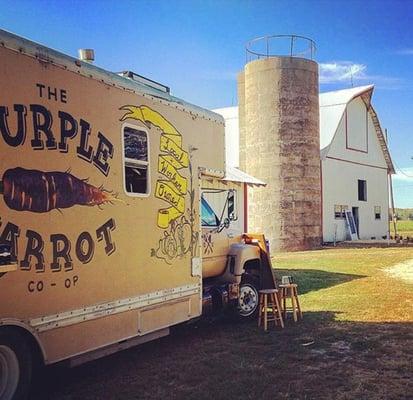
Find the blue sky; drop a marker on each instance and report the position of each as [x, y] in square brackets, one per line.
[197, 48]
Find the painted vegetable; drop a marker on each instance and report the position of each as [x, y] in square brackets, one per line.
[40, 192]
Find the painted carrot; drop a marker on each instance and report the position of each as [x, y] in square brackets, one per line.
[40, 192]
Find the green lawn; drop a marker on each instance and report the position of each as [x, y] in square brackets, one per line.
[355, 342]
[404, 228]
[351, 283]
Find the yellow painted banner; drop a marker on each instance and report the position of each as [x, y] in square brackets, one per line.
[147, 115]
[169, 146]
[164, 190]
[174, 189]
[167, 169]
[171, 160]
[166, 216]
[176, 139]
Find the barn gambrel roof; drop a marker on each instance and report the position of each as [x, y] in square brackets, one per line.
[332, 107]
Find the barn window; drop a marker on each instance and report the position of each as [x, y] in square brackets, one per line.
[136, 161]
[362, 189]
[377, 212]
[340, 211]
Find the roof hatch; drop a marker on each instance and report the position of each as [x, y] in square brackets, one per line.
[145, 81]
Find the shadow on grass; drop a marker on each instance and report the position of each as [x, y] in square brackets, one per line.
[313, 279]
[317, 358]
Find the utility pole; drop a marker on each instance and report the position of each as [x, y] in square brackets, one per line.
[391, 193]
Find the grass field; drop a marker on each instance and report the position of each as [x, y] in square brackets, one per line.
[351, 283]
[404, 228]
[355, 342]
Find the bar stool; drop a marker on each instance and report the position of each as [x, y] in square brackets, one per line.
[269, 300]
[290, 291]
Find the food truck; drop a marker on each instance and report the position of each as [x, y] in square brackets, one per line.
[118, 217]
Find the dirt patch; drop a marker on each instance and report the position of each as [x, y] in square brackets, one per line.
[224, 360]
[403, 270]
[354, 342]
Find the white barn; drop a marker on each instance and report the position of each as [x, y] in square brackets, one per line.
[355, 162]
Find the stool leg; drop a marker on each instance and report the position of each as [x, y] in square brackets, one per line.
[279, 297]
[284, 297]
[279, 314]
[273, 307]
[260, 310]
[294, 305]
[265, 313]
[300, 314]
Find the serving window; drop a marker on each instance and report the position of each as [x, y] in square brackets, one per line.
[136, 161]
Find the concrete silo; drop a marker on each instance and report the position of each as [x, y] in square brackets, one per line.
[279, 144]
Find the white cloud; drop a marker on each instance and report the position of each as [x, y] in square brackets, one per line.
[340, 71]
[404, 174]
[350, 72]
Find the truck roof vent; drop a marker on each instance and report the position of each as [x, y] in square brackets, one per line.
[87, 55]
[145, 81]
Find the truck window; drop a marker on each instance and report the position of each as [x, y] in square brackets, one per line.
[136, 162]
[208, 216]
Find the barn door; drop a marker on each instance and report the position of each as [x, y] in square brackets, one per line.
[351, 225]
[355, 211]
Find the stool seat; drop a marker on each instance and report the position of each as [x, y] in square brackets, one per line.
[269, 308]
[268, 291]
[290, 291]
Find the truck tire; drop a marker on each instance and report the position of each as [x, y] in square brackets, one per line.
[248, 298]
[15, 365]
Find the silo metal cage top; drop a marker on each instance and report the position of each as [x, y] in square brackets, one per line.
[280, 45]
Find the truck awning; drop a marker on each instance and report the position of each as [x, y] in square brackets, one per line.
[233, 174]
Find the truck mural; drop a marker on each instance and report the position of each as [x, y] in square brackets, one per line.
[179, 236]
[172, 158]
[117, 221]
[40, 192]
[176, 241]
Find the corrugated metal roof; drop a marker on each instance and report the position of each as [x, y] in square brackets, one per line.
[343, 96]
[236, 175]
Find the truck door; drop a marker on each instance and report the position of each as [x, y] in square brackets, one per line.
[217, 230]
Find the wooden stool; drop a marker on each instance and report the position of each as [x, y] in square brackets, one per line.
[290, 291]
[269, 300]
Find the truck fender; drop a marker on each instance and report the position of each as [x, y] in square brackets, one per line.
[28, 332]
[240, 255]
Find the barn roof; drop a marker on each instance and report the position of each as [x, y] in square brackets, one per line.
[332, 107]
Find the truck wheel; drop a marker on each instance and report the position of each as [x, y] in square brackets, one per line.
[248, 298]
[15, 366]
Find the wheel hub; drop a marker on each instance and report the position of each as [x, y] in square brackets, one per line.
[9, 372]
[248, 300]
